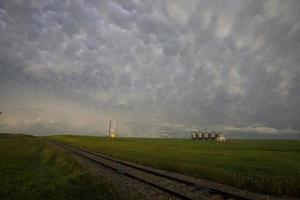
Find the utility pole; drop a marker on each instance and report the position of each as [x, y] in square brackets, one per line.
[113, 132]
[117, 128]
[109, 129]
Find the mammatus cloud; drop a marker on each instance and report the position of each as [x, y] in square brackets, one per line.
[70, 66]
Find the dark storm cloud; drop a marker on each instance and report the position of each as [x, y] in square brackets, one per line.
[196, 63]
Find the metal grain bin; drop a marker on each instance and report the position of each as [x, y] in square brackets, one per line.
[202, 135]
[209, 135]
[213, 135]
[193, 135]
[205, 136]
[199, 135]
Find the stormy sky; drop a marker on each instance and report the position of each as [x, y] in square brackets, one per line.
[161, 68]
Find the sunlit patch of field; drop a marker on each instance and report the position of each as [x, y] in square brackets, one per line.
[267, 166]
[31, 169]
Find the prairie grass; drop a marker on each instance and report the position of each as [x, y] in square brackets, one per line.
[266, 166]
[31, 169]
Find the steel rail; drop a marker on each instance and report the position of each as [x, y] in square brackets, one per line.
[174, 193]
[224, 194]
[212, 191]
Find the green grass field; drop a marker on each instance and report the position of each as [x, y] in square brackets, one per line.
[31, 169]
[266, 166]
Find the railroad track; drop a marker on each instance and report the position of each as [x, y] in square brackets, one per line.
[177, 185]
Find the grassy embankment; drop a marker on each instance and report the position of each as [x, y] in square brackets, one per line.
[258, 165]
[31, 169]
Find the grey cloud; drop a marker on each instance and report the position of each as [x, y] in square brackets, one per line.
[195, 63]
[258, 131]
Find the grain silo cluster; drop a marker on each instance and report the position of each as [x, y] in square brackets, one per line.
[206, 135]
